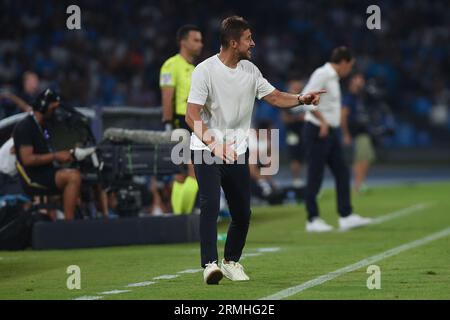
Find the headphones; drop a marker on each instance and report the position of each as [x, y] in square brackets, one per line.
[44, 99]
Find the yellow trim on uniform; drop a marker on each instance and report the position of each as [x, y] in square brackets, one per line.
[27, 179]
[176, 72]
[184, 195]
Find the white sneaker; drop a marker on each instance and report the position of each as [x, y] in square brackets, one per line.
[212, 273]
[234, 271]
[318, 225]
[353, 221]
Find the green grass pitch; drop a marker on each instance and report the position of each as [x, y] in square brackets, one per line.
[422, 272]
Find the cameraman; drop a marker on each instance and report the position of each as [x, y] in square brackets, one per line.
[36, 158]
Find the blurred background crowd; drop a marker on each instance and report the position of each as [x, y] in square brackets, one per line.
[114, 60]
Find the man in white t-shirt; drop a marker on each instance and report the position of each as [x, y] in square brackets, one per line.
[323, 144]
[221, 98]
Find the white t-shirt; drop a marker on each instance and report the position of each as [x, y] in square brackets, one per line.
[227, 96]
[329, 106]
[8, 159]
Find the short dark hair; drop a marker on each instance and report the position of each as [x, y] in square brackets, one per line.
[183, 31]
[341, 53]
[231, 29]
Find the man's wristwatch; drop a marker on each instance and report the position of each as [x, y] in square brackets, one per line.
[300, 100]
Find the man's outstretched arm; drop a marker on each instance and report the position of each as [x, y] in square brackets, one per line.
[287, 100]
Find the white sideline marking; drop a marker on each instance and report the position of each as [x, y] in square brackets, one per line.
[396, 214]
[268, 249]
[115, 291]
[9, 258]
[248, 255]
[401, 213]
[190, 271]
[380, 219]
[166, 277]
[88, 298]
[12, 258]
[259, 252]
[140, 284]
[365, 262]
